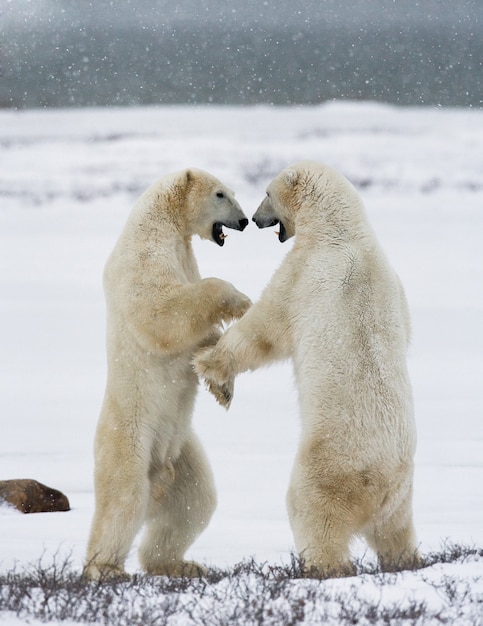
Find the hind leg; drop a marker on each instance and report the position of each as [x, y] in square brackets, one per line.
[322, 526]
[178, 513]
[121, 494]
[393, 538]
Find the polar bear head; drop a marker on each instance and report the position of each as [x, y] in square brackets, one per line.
[209, 205]
[306, 193]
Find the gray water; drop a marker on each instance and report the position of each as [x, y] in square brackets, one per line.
[79, 53]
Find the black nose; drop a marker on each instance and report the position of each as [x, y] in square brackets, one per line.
[243, 223]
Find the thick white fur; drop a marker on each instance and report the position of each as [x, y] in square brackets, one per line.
[338, 310]
[149, 466]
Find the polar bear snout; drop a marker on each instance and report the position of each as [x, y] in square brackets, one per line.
[242, 224]
[264, 222]
[266, 216]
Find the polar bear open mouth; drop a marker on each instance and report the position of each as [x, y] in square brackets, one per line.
[282, 233]
[218, 234]
[269, 222]
[217, 230]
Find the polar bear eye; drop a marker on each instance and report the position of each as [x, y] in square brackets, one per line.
[268, 194]
[220, 194]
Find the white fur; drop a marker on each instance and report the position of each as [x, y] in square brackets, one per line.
[338, 310]
[149, 466]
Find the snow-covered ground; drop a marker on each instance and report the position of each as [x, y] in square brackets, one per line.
[67, 181]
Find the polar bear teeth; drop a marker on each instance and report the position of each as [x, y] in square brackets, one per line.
[218, 234]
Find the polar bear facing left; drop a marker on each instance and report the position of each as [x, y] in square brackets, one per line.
[337, 309]
[150, 468]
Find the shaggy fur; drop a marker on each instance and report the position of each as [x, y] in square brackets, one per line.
[149, 465]
[338, 310]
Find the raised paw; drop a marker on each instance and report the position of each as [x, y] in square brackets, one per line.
[210, 365]
[223, 394]
[235, 304]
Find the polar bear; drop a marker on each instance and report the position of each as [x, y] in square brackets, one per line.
[149, 465]
[338, 310]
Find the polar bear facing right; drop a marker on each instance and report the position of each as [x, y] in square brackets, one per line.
[150, 467]
[338, 310]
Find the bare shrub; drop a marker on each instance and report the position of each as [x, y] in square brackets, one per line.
[252, 594]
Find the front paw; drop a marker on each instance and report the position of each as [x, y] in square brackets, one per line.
[210, 366]
[235, 304]
[223, 394]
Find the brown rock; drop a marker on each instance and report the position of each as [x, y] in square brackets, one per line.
[30, 496]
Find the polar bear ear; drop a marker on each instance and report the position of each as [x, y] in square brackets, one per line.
[290, 177]
[189, 179]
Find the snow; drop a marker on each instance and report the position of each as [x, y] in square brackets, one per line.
[67, 181]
